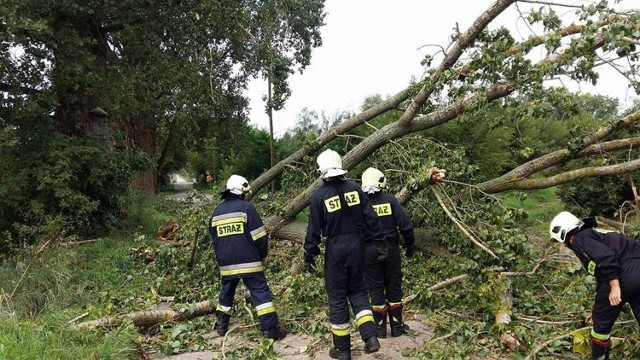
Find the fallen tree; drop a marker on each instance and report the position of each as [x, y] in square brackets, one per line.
[476, 93]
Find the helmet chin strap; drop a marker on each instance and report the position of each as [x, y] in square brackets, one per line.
[370, 189]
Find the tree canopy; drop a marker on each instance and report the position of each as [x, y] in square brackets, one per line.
[142, 84]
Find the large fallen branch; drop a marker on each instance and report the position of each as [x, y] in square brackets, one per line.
[548, 67]
[151, 317]
[425, 239]
[464, 40]
[522, 172]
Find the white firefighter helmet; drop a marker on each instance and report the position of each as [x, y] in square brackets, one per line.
[238, 185]
[374, 177]
[563, 224]
[330, 164]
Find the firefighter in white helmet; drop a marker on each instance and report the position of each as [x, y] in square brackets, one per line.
[383, 277]
[614, 260]
[342, 213]
[240, 243]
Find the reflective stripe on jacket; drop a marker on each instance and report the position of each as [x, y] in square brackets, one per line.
[239, 237]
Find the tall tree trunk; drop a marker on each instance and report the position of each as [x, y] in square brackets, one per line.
[144, 139]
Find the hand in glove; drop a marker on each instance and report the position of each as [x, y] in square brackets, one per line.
[309, 264]
[408, 243]
[409, 252]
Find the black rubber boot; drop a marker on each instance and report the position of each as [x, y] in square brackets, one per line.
[275, 333]
[335, 353]
[222, 324]
[600, 349]
[395, 321]
[371, 345]
[341, 347]
[380, 318]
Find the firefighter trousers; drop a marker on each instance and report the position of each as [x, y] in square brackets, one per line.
[383, 278]
[344, 281]
[261, 298]
[604, 315]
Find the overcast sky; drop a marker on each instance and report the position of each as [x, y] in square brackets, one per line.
[375, 47]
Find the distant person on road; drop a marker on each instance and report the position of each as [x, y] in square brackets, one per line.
[240, 243]
[614, 260]
[383, 277]
[209, 179]
[342, 213]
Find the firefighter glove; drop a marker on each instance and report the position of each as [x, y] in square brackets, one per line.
[309, 263]
[409, 252]
[408, 244]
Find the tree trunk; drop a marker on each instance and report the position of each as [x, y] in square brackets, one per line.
[144, 139]
[425, 239]
[452, 56]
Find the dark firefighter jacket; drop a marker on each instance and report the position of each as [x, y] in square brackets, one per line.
[340, 207]
[239, 237]
[602, 253]
[393, 217]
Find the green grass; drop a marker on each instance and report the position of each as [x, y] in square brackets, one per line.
[56, 286]
[539, 205]
[41, 292]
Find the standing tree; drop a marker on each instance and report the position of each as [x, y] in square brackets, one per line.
[151, 80]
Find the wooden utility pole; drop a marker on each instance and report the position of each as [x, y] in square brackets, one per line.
[270, 110]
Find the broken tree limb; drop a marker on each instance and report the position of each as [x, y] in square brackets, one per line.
[586, 172]
[477, 97]
[464, 40]
[425, 239]
[504, 182]
[456, 279]
[461, 227]
[151, 317]
[551, 341]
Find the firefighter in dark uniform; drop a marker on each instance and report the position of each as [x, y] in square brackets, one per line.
[383, 278]
[614, 260]
[241, 246]
[342, 213]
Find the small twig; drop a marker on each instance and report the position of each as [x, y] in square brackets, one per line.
[28, 266]
[550, 3]
[409, 298]
[464, 231]
[74, 243]
[43, 246]
[443, 337]
[525, 273]
[551, 341]
[224, 340]
[77, 318]
[545, 322]
[248, 311]
[194, 249]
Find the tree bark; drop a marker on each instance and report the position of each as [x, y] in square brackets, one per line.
[143, 136]
[151, 317]
[520, 173]
[425, 239]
